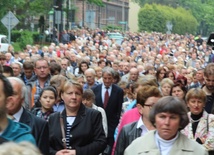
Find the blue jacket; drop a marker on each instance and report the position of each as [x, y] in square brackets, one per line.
[18, 132]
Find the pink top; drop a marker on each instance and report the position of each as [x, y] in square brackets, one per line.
[128, 117]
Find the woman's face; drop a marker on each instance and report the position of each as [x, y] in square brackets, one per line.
[161, 74]
[87, 102]
[47, 100]
[178, 92]
[167, 124]
[81, 81]
[99, 73]
[84, 67]
[165, 89]
[171, 76]
[195, 105]
[72, 97]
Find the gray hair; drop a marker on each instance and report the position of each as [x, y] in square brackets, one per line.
[108, 70]
[23, 87]
[166, 80]
[91, 70]
[18, 63]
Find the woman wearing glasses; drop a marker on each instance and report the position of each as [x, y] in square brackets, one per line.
[147, 96]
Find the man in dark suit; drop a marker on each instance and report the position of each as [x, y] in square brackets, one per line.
[18, 113]
[112, 103]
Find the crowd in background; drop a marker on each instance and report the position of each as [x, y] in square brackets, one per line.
[121, 81]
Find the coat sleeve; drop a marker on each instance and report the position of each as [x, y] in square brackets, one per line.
[43, 142]
[120, 144]
[209, 143]
[99, 141]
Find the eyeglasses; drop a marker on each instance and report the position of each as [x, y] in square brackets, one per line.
[150, 106]
[42, 67]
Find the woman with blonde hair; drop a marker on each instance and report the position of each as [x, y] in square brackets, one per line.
[76, 130]
[201, 124]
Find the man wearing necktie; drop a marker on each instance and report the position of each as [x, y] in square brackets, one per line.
[110, 97]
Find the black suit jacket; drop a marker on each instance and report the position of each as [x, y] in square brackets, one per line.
[87, 136]
[39, 129]
[113, 108]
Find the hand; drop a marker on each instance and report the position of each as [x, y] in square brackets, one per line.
[203, 139]
[70, 152]
[61, 152]
[66, 152]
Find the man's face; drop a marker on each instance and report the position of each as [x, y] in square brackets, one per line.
[8, 56]
[126, 67]
[134, 75]
[200, 75]
[89, 77]
[16, 69]
[42, 69]
[2, 100]
[64, 64]
[28, 73]
[209, 82]
[107, 79]
[115, 67]
[17, 99]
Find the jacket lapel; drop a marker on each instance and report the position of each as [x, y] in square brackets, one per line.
[25, 117]
[79, 117]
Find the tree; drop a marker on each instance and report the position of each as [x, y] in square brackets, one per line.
[154, 17]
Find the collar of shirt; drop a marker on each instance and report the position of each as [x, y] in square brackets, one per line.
[104, 90]
[104, 87]
[141, 125]
[18, 115]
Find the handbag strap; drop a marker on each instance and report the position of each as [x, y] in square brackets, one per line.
[207, 122]
[63, 131]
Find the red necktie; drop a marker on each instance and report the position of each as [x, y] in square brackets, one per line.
[106, 98]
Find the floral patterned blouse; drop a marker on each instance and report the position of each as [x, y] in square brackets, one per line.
[205, 129]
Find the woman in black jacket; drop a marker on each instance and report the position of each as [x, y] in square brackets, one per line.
[82, 132]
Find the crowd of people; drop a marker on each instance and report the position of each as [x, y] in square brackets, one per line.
[151, 94]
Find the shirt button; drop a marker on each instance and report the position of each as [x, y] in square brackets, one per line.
[71, 135]
[70, 147]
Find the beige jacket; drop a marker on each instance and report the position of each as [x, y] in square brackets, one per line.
[146, 145]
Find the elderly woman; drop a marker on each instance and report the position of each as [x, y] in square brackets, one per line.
[76, 130]
[201, 125]
[169, 116]
[165, 86]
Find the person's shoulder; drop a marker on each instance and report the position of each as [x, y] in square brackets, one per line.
[190, 144]
[17, 131]
[146, 139]
[130, 126]
[98, 86]
[92, 111]
[37, 120]
[114, 86]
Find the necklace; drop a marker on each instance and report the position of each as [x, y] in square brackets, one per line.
[194, 121]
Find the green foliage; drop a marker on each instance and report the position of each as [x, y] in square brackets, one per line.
[154, 17]
[25, 38]
[16, 47]
[96, 2]
[112, 27]
[202, 10]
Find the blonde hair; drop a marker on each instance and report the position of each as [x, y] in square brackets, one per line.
[22, 148]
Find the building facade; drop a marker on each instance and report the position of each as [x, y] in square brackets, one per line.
[114, 12]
